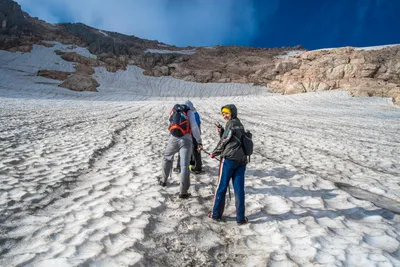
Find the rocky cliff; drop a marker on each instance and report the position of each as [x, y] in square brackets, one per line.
[362, 72]
[287, 70]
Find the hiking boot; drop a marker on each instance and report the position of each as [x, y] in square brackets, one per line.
[192, 170]
[214, 219]
[246, 220]
[185, 195]
[177, 170]
[162, 183]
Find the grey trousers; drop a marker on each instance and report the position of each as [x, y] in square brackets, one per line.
[183, 145]
[195, 159]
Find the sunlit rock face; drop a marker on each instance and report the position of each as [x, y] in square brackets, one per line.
[369, 72]
[363, 72]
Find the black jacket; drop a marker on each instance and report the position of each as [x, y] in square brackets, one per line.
[229, 146]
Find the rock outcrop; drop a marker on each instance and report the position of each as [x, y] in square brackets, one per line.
[74, 57]
[215, 64]
[85, 69]
[54, 74]
[80, 82]
[361, 72]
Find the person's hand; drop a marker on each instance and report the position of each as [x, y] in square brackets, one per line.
[212, 155]
[200, 147]
[218, 125]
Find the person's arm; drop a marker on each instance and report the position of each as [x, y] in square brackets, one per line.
[226, 137]
[220, 129]
[198, 120]
[194, 127]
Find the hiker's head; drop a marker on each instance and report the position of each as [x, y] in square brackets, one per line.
[229, 112]
[189, 104]
[226, 113]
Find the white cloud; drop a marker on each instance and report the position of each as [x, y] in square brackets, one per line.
[181, 23]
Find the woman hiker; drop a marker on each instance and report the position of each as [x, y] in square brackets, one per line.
[233, 165]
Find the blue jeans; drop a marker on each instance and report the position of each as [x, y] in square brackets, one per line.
[230, 169]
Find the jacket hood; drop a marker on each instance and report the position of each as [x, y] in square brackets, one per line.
[233, 110]
[189, 104]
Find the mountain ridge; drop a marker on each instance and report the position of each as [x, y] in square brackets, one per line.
[286, 70]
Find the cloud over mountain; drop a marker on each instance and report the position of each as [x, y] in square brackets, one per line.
[180, 23]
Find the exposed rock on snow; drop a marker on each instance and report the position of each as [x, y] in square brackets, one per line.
[75, 57]
[82, 68]
[54, 74]
[80, 82]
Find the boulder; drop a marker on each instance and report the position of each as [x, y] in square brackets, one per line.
[335, 73]
[80, 82]
[75, 57]
[295, 88]
[84, 69]
[369, 70]
[54, 74]
[204, 76]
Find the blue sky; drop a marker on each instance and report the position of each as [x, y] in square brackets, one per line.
[258, 23]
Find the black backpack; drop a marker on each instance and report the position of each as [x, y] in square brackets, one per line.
[179, 121]
[247, 143]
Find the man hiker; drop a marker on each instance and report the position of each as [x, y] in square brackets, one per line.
[182, 125]
[195, 158]
[233, 165]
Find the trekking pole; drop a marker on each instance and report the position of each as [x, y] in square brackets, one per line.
[208, 153]
[229, 186]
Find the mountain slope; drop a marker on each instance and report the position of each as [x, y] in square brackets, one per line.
[362, 72]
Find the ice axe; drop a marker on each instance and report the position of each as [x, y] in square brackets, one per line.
[229, 187]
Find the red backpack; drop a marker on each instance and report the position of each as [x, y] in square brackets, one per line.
[179, 121]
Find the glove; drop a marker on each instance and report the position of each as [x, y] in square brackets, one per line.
[216, 123]
[219, 126]
[200, 147]
[212, 155]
